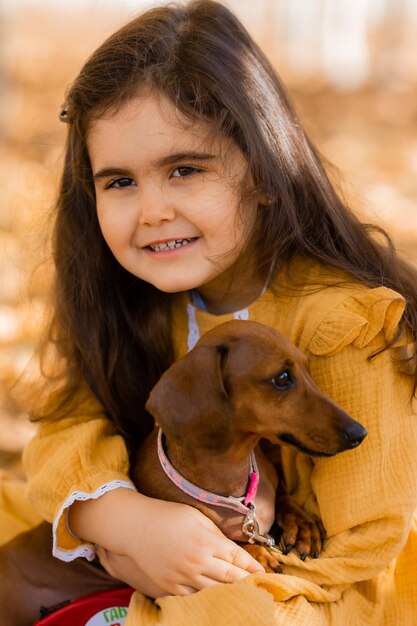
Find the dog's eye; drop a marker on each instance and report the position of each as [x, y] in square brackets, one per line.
[283, 380]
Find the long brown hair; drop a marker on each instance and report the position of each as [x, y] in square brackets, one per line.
[113, 329]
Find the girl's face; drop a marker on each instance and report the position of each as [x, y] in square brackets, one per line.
[169, 199]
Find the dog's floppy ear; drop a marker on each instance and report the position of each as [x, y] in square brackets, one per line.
[190, 402]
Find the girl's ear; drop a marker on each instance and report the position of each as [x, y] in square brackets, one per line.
[190, 402]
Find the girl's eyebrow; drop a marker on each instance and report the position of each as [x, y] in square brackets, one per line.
[106, 172]
[185, 156]
[167, 160]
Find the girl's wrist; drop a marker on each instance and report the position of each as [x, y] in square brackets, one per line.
[107, 520]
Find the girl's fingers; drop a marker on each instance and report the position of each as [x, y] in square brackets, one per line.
[184, 590]
[225, 566]
[228, 573]
[241, 559]
[222, 572]
[205, 581]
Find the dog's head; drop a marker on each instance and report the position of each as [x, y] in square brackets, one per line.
[247, 378]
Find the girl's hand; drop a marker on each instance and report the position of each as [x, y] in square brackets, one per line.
[124, 569]
[174, 545]
[183, 551]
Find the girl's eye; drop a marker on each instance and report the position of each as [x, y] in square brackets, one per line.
[185, 170]
[283, 380]
[121, 183]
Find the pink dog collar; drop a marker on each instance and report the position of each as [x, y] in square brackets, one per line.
[243, 505]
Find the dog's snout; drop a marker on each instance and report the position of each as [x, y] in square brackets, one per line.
[355, 434]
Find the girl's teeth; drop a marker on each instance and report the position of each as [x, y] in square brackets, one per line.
[170, 245]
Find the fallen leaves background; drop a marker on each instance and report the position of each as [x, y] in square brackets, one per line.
[368, 131]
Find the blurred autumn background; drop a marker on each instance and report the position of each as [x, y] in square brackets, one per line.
[351, 68]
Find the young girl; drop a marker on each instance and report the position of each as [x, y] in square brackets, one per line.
[191, 195]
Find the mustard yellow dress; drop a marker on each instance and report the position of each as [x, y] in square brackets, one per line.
[367, 497]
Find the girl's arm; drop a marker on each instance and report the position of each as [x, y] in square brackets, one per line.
[78, 479]
[366, 497]
[162, 547]
[73, 458]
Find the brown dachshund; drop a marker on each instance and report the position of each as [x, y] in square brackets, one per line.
[242, 383]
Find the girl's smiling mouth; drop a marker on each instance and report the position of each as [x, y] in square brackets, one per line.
[170, 245]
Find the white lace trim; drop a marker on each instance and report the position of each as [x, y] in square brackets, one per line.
[87, 550]
[241, 315]
[193, 330]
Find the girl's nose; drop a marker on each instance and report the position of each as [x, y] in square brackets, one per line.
[154, 207]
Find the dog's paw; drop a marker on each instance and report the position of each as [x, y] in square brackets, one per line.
[300, 530]
[264, 556]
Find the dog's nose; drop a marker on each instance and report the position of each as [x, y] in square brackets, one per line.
[355, 434]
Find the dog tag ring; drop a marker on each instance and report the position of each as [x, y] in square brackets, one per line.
[250, 525]
[251, 529]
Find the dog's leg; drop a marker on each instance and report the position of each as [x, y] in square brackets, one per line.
[300, 530]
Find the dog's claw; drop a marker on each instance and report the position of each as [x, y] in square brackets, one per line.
[288, 548]
[316, 555]
[303, 556]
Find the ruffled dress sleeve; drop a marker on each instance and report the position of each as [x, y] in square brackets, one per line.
[76, 457]
[366, 497]
[358, 320]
